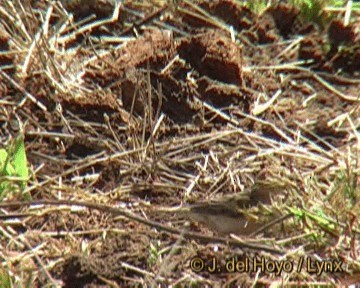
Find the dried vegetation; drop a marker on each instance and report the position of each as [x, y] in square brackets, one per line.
[150, 105]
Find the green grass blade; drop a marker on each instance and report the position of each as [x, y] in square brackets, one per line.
[20, 160]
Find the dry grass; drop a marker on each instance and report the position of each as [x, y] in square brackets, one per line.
[321, 179]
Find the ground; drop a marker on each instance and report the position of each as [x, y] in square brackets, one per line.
[146, 106]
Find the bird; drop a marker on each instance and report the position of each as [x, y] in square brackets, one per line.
[228, 213]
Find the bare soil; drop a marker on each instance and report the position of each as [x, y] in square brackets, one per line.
[177, 79]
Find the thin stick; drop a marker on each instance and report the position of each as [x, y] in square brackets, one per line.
[134, 217]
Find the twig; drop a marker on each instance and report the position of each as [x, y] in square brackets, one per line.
[22, 90]
[146, 19]
[134, 217]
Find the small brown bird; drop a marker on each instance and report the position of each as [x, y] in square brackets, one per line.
[226, 214]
